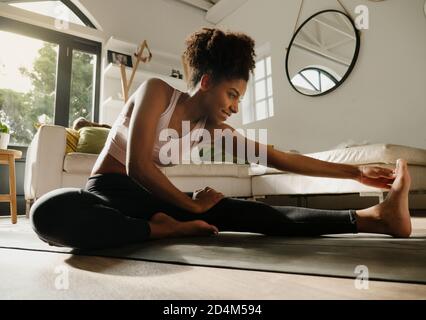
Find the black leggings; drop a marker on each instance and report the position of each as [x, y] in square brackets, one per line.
[113, 210]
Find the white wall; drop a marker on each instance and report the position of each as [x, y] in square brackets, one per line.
[163, 23]
[383, 100]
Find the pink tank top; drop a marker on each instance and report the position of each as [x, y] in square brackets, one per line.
[116, 143]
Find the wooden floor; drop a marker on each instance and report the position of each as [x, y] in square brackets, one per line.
[42, 275]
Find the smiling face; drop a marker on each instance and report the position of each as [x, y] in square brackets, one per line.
[221, 100]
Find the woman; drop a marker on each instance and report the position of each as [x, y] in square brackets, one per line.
[127, 199]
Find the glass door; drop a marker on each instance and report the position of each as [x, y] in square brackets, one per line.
[83, 83]
[28, 73]
[46, 77]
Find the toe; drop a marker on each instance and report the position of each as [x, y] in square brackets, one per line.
[215, 230]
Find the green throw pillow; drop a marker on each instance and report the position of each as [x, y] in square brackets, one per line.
[92, 139]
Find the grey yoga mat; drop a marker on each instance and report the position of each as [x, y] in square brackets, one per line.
[380, 257]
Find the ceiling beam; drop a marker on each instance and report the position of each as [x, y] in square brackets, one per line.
[334, 27]
[222, 9]
[200, 4]
[338, 44]
[324, 53]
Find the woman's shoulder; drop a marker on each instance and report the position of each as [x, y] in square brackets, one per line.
[156, 90]
[160, 86]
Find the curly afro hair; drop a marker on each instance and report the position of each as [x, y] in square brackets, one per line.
[222, 55]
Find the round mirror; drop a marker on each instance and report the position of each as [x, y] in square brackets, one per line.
[425, 8]
[322, 53]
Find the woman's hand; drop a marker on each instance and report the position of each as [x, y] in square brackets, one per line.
[376, 176]
[205, 199]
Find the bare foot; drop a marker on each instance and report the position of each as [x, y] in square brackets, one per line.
[392, 216]
[395, 211]
[164, 226]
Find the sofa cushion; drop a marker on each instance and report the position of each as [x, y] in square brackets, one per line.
[208, 170]
[76, 162]
[376, 154]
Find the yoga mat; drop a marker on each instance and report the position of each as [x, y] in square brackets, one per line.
[387, 258]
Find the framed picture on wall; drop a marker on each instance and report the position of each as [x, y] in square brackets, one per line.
[120, 58]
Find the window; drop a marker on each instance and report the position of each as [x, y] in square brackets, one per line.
[27, 84]
[61, 9]
[314, 80]
[46, 77]
[258, 104]
[83, 79]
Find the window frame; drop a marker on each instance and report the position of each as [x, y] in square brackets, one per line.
[320, 71]
[253, 103]
[73, 7]
[66, 43]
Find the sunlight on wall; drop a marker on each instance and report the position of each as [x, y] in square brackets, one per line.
[11, 60]
[54, 9]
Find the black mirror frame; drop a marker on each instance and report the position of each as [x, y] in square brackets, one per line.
[351, 67]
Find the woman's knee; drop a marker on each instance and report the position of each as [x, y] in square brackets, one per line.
[50, 211]
[233, 214]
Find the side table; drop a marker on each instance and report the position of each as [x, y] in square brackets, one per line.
[8, 156]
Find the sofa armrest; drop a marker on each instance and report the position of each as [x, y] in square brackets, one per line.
[44, 162]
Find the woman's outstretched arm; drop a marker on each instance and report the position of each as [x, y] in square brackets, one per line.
[304, 165]
[372, 176]
[301, 164]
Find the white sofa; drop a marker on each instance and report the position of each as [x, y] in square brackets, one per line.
[276, 182]
[49, 168]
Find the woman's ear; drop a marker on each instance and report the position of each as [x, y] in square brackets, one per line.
[206, 82]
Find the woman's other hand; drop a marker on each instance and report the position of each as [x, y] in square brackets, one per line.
[205, 199]
[376, 176]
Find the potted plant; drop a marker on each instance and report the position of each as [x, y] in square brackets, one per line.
[4, 135]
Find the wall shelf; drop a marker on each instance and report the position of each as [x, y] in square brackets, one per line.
[112, 105]
[113, 71]
[160, 67]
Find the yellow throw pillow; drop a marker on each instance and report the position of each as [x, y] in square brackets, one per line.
[72, 140]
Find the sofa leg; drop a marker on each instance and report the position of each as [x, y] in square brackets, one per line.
[28, 204]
